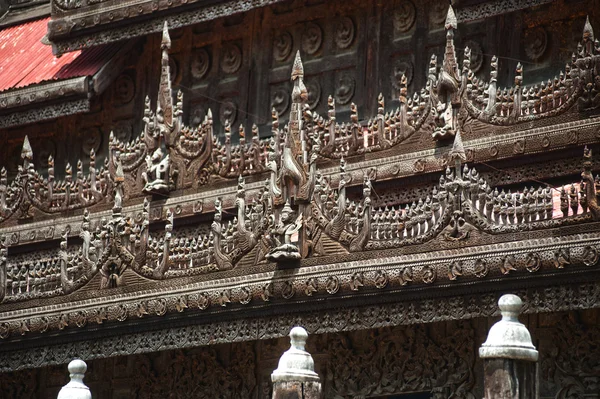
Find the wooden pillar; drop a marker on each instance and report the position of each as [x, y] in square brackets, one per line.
[75, 389]
[295, 377]
[509, 357]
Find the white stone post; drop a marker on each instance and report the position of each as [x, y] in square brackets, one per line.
[295, 377]
[75, 389]
[509, 357]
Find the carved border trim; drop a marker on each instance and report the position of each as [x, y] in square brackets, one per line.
[560, 136]
[44, 113]
[43, 92]
[493, 8]
[537, 300]
[472, 265]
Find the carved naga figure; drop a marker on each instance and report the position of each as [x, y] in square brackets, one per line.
[244, 239]
[336, 225]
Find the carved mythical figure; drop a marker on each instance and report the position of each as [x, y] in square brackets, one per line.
[590, 184]
[158, 173]
[282, 236]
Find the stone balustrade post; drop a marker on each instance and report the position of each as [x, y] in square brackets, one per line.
[509, 357]
[295, 376]
[75, 389]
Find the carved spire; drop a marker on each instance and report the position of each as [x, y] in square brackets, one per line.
[166, 39]
[298, 68]
[26, 152]
[451, 22]
[588, 31]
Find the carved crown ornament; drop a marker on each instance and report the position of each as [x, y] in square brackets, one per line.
[300, 216]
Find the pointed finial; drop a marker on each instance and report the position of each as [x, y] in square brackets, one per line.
[166, 39]
[451, 22]
[588, 31]
[26, 152]
[458, 149]
[298, 68]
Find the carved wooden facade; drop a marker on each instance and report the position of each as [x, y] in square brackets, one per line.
[302, 164]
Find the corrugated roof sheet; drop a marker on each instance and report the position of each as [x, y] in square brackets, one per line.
[25, 60]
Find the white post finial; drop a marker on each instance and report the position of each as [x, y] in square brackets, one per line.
[509, 338]
[75, 389]
[296, 370]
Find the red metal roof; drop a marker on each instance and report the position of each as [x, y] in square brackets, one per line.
[25, 60]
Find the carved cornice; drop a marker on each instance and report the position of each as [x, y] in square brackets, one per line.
[411, 274]
[67, 29]
[43, 92]
[70, 26]
[45, 112]
[317, 321]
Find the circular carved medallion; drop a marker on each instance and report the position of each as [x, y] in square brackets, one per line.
[47, 148]
[122, 131]
[314, 93]
[381, 279]
[535, 41]
[402, 68]
[197, 115]
[227, 112]
[280, 100]
[344, 32]
[438, 12]
[312, 38]
[333, 285]
[231, 59]
[428, 274]
[404, 16]
[124, 89]
[200, 63]
[282, 46]
[92, 137]
[344, 90]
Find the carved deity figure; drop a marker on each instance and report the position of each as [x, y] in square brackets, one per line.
[282, 236]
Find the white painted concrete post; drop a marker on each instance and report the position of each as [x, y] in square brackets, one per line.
[509, 357]
[75, 389]
[295, 377]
